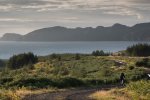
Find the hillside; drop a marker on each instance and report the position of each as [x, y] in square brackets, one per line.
[117, 32]
[11, 37]
[64, 71]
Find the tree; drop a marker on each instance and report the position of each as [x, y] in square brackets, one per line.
[18, 61]
[99, 53]
[138, 50]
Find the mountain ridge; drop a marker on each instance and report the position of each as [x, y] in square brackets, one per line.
[116, 32]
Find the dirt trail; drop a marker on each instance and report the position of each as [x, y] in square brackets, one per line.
[76, 94]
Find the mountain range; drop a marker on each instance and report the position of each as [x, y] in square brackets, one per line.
[116, 32]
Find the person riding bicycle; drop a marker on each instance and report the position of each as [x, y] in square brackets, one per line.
[122, 78]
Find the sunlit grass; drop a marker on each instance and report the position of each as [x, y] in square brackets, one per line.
[134, 91]
[113, 94]
[17, 94]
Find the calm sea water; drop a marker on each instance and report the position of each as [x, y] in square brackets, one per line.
[7, 49]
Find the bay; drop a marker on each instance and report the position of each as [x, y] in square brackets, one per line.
[10, 48]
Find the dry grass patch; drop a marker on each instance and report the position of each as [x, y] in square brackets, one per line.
[22, 92]
[113, 94]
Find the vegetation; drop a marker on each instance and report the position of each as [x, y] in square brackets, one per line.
[66, 70]
[139, 50]
[2, 63]
[18, 61]
[112, 94]
[13, 94]
[143, 63]
[139, 90]
[77, 57]
[70, 72]
[100, 53]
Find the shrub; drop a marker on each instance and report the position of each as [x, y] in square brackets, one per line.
[59, 58]
[69, 82]
[144, 62]
[99, 53]
[18, 61]
[106, 72]
[138, 50]
[53, 56]
[5, 80]
[131, 67]
[77, 57]
[2, 63]
[33, 83]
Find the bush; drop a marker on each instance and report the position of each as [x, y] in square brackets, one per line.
[138, 50]
[53, 56]
[18, 61]
[34, 83]
[106, 72]
[99, 53]
[5, 80]
[143, 63]
[69, 82]
[131, 67]
[77, 57]
[2, 63]
[46, 82]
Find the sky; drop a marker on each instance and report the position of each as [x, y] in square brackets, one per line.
[23, 16]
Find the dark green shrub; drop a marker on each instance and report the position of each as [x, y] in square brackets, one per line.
[77, 57]
[143, 63]
[5, 80]
[138, 50]
[2, 63]
[69, 82]
[53, 56]
[18, 61]
[106, 72]
[131, 67]
[45, 82]
[59, 58]
[100, 53]
[34, 82]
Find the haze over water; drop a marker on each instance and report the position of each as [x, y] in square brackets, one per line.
[10, 48]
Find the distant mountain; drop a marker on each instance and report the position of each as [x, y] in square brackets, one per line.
[11, 37]
[117, 32]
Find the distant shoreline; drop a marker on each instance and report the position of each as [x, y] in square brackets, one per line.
[9, 48]
[75, 41]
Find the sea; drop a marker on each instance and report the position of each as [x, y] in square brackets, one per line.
[10, 48]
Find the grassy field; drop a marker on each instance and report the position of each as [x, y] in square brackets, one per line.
[139, 90]
[55, 72]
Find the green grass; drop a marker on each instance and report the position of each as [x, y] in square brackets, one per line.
[140, 89]
[87, 68]
[70, 72]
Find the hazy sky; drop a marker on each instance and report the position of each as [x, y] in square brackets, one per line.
[23, 16]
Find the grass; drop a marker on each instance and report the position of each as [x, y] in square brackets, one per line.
[51, 72]
[113, 94]
[17, 94]
[139, 90]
